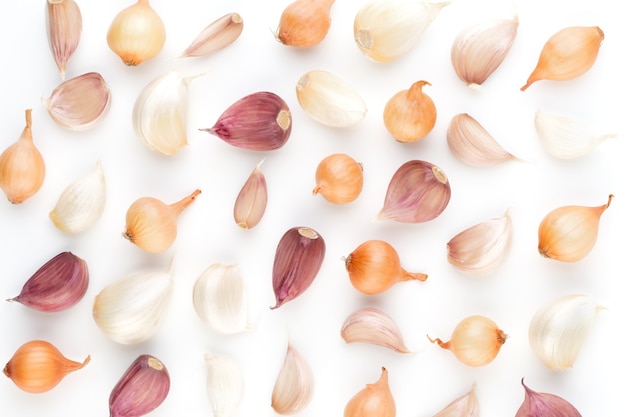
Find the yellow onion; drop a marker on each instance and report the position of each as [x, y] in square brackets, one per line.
[410, 114]
[339, 179]
[38, 366]
[304, 23]
[375, 400]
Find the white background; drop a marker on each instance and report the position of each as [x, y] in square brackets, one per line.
[422, 383]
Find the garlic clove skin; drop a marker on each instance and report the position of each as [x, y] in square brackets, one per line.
[339, 179]
[371, 325]
[225, 384]
[384, 30]
[217, 35]
[64, 24]
[559, 329]
[82, 203]
[464, 406]
[293, 389]
[565, 138]
[544, 404]
[252, 200]
[410, 114]
[373, 400]
[304, 23]
[329, 99]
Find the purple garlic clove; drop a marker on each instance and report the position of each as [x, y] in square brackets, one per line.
[541, 404]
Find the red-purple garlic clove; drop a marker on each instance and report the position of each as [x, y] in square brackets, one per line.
[260, 122]
[57, 285]
[541, 404]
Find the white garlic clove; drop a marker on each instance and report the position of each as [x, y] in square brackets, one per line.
[464, 406]
[225, 384]
[81, 204]
[560, 328]
[482, 247]
[370, 325]
[293, 388]
[565, 138]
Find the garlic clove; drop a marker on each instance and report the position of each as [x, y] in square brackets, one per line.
[57, 285]
[293, 389]
[304, 23]
[479, 49]
[371, 325]
[544, 404]
[565, 138]
[373, 400]
[482, 247]
[470, 142]
[410, 114]
[559, 329]
[384, 30]
[79, 103]
[260, 122]
[339, 179]
[464, 406]
[64, 24]
[217, 35]
[252, 200]
[330, 100]
[225, 384]
[82, 202]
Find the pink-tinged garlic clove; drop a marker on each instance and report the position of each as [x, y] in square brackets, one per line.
[252, 200]
[65, 24]
[371, 325]
[217, 35]
[293, 389]
[538, 404]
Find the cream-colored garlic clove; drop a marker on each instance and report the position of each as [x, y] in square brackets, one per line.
[371, 325]
[560, 328]
[225, 384]
[565, 138]
[470, 142]
[252, 200]
[482, 247]
[217, 35]
[220, 299]
[464, 406]
[64, 24]
[294, 385]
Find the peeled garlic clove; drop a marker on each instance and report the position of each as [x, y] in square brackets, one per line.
[22, 168]
[560, 328]
[373, 400]
[81, 203]
[419, 191]
[298, 259]
[160, 113]
[64, 23]
[220, 299]
[304, 23]
[294, 385]
[464, 406]
[79, 103]
[569, 233]
[565, 138]
[568, 54]
[482, 247]
[131, 309]
[370, 325]
[252, 200]
[225, 384]
[544, 404]
[218, 35]
[479, 49]
[339, 179]
[259, 122]
[471, 143]
[384, 30]
[57, 285]
[410, 114]
[330, 100]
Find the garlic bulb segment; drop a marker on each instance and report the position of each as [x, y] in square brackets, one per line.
[464, 406]
[419, 191]
[220, 299]
[259, 122]
[569, 233]
[565, 138]
[294, 385]
[131, 309]
[559, 329]
[225, 384]
[57, 285]
[544, 404]
[64, 23]
[384, 30]
[22, 168]
[470, 142]
[475, 341]
[304, 23]
[79, 103]
[38, 366]
[153, 225]
[482, 247]
[374, 266]
[217, 35]
[373, 400]
[143, 387]
[339, 179]
[329, 99]
[136, 34]
[568, 54]
[371, 325]
[410, 114]
[479, 49]
[160, 113]
[252, 200]
[298, 259]
[82, 202]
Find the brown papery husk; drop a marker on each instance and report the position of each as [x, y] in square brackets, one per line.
[304, 23]
[375, 400]
[410, 114]
[542, 404]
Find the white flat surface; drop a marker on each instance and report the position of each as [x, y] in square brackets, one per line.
[421, 383]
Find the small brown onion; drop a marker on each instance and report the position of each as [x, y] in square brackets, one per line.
[339, 179]
[375, 400]
[410, 114]
[304, 23]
